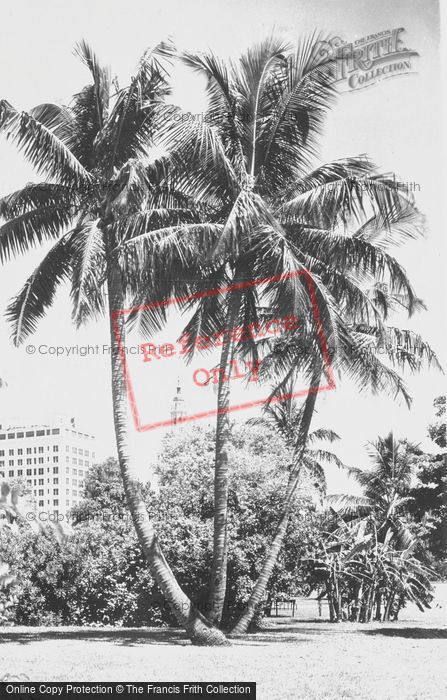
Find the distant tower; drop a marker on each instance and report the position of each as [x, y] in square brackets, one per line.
[178, 405]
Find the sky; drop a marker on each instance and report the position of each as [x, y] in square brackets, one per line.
[397, 122]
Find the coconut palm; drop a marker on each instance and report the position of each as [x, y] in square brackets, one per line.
[386, 491]
[250, 157]
[356, 356]
[285, 417]
[101, 189]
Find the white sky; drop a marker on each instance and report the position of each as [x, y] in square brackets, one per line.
[397, 122]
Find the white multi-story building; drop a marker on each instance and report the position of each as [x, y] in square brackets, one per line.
[53, 458]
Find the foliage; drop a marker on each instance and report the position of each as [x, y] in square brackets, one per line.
[428, 504]
[368, 560]
[259, 463]
[98, 575]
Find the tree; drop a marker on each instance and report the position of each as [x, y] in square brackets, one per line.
[259, 461]
[386, 487]
[429, 496]
[250, 156]
[101, 190]
[98, 574]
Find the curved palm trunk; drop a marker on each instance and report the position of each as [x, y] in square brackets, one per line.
[258, 592]
[218, 581]
[198, 628]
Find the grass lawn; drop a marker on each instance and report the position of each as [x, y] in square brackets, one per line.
[290, 659]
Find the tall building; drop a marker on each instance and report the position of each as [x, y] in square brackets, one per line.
[53, 458]
[178, 405]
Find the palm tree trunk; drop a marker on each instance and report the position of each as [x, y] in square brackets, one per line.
[378, 615]
[358, 602]
[218, 581]
[198, 628]
[389, 603]
[258, 592]
[330, 601]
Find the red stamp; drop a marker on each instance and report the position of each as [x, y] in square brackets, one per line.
[151, 365]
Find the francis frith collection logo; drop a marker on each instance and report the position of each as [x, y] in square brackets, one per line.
[370, 59]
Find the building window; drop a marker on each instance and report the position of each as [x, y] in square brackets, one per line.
[41, 504]
[55, 459]
[20, 451]
[55, 480]
[20, 435]
[55, 502]
[2, 463]
[81, 472]
[55, 492]
[20, 462]
[11, 452]
[75, 482]
[20, 472]
[41, 482]
[75, 493]
[29, 472]
[67, 481]
[29, 433]
[40, 460]
[55, 448]
[28, 450]
[39, 433]
[11, 436]
[74, 450]
[11, 462]
[40, 450]
[41, 470]
[41, 492]
[2, 453]
[67, 469]
[55, 431]
[10, 473]
[29, 460]
[55, 470]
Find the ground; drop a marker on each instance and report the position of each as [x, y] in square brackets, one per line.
[303, 660]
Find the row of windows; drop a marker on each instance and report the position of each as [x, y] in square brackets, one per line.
[55, 489]
[40, 470]
[29, 460]
[29, 450]
[79, 451]
[40, 433]
[29, 433]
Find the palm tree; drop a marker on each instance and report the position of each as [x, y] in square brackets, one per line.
[386, 491]
[249, 157]
[101, 190]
